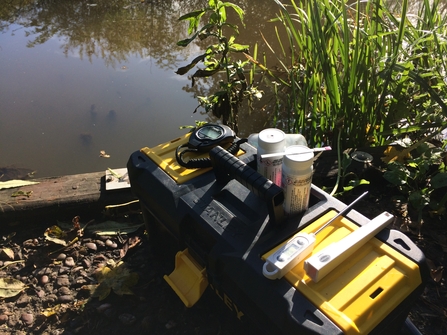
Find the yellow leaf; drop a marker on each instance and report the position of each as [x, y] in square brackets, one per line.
[10, 287]
[7, 253]
[51, 311]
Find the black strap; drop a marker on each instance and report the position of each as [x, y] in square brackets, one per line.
[204, 162]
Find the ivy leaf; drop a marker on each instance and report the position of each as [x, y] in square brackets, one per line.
[439, 180]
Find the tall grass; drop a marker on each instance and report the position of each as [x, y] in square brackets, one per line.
[360, 74]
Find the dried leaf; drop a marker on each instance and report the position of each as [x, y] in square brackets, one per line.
[114, 277]
[103, 154]
[56, 235]
[10, 287]
[51, 311]
[7, 253]
[16, 183]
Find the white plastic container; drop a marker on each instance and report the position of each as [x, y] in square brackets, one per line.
[291, 139]
[271, 140]
[297, 178]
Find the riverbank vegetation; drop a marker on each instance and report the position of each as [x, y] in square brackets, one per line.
[348, 75]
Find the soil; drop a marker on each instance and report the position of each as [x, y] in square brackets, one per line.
[59, 281]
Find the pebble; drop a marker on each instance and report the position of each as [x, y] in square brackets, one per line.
[61, 257]
[41, 272]
[64, 290]
[31, 243]
[51, 298]
[3, 318]
[104, 237]
[100, 243]
[44, 279]
[127, 318]
[63, 280]
[69, 261]
[103, 307]
[28, 318]
[91, 246]
[23, 300]
[86, 263]
[111, 244]
[65, 299]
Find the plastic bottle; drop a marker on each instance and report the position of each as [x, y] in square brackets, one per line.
[297, 178]
[270, 140]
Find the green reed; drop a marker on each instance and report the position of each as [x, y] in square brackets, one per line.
[360, 74]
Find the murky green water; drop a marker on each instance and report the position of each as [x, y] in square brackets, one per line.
[78, 77]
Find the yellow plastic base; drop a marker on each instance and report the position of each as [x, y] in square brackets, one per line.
[363, 290]
[188, 280]
[164, 156]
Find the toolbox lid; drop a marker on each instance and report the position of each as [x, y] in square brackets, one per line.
[164, 156]
[364, 289]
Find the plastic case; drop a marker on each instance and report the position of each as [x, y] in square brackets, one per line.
[227, 220]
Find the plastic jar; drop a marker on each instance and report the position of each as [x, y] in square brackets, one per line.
[271, 140]
[297, 178]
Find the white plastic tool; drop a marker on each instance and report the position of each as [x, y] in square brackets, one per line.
[288, 256]
[296, 249]
[326, 260]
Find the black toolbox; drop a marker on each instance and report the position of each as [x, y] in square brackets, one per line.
[229, 218]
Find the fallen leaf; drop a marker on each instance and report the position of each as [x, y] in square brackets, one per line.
[10, 287]
[7, 253]
[56, 235]
[22, 193]
[114, 277]
[51, 311]
[103, 154]
[16, 183]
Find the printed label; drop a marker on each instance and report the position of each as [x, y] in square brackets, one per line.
[296, 192]
[271, 169]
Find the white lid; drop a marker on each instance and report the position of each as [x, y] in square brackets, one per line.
[302, 161]
[271, 139]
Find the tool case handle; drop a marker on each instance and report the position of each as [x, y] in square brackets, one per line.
[227, 167]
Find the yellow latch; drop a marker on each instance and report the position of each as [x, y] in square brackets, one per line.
[188, 280]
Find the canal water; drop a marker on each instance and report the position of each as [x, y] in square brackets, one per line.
[78, 77]
[82, 76]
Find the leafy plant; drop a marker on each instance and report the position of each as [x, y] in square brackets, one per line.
[217, 58]
[417, 178]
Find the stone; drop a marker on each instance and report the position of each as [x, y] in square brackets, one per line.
[61, 257]
[69, 261]
[23, 300]
[27, 318]
[92, 246]
[44, 279]
[127, 318]
[64, 290]
[3, 318]
[63, 299]
[63, 280]
[111, 244]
